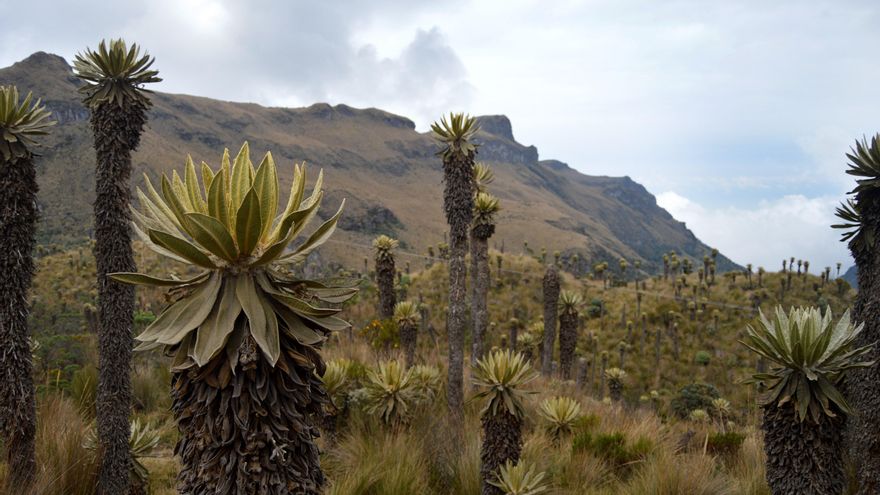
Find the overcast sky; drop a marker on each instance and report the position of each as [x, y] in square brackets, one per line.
[735, 114]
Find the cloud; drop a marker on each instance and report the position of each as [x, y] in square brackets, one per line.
[269, 52]
[768, 232]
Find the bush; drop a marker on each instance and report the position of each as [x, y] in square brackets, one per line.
[612, 447]
[702, 358]
[693, 396]
[594, 310]
[724, 443]
[381, 334]
[84, 389]
[586, 422]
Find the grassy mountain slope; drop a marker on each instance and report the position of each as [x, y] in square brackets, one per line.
[377, 160]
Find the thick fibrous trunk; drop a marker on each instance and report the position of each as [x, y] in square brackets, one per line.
[567, 342]
[385, 282]
[251, 432]
[863, 385]
[117, 133]
[803, 457]
[18, 217]
[502, 442]
[408, 340]
[551, 299]
[458, 202]
[480, 252]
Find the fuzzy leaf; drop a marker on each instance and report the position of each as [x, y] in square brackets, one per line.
[248, 224]
[215, 330]
[181, 247]
[212, 235]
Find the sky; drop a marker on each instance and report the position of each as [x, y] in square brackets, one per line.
[736, 114]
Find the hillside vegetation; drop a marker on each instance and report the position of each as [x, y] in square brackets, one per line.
[650, 441]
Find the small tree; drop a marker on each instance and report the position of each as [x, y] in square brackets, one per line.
[569, 304]
[458, 153]
[114, 76]
[551, 301]
[485, 208]
[390, 393]
[384, 247]
[615, 378]
[244, 333]
[519, 479]
[500, 377]
[21, 123]
[861, 222]
[406, 314]
[804, 412]
[336, 383]
[559, 415]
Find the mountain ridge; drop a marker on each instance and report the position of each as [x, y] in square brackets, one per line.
[388, 171]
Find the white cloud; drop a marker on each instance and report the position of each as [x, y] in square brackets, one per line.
[272, 52]
[767, 233]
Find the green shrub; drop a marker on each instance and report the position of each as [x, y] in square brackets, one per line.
[382, 334]
[84, 389]
[693, 396]
[724, 443]
[586, 422]
[142, 319]
[594, 310]
[702, 358]
[612, 447]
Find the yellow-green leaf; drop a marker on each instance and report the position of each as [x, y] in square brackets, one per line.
[184, 315]
[180, 190]
[207, 176]
[301, 307]
[248, 224]
[182, 248]
[142, 279]
[212, 235]
[310, 205]
[217, 200]
[160, 203]
[174, 202]
[266, 187]
[157, 218]
[193, 188]
[317, 238]
[226, 168]
[297, 188]
[288, 229]
[241, 176]
[155, 247]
